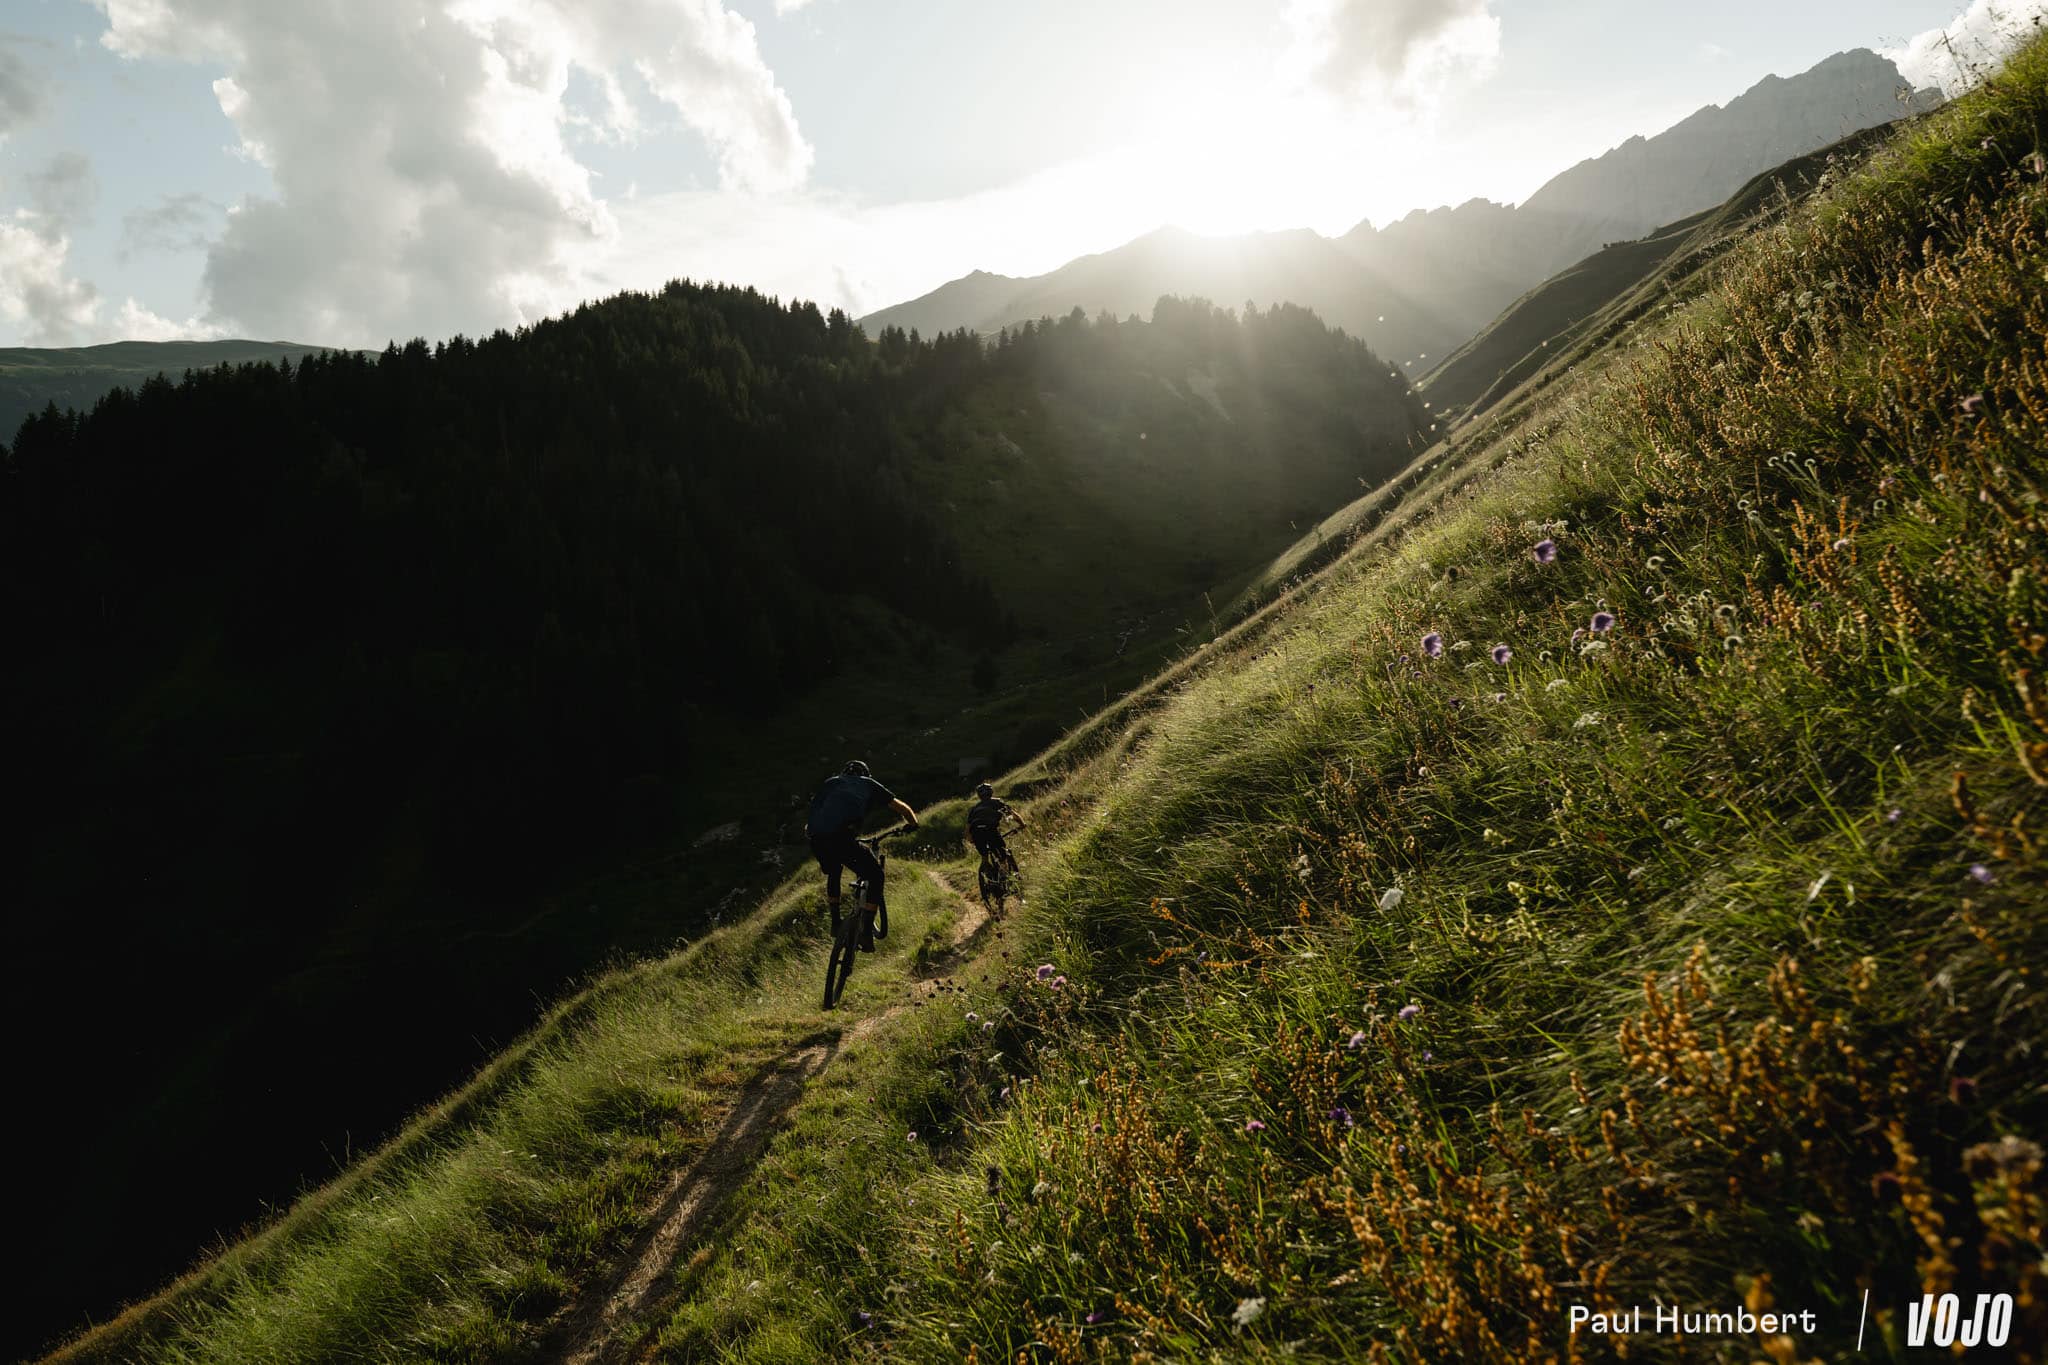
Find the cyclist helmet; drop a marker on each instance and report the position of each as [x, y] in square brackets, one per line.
[856, 769]
[984, 791]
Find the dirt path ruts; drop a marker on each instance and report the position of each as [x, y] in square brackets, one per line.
[644, 1285]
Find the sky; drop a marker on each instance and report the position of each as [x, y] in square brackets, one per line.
[353, 171]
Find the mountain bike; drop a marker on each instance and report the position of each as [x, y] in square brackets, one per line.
[998, 883]
[846, 934]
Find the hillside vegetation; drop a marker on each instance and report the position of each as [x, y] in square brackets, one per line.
[1617, 878]
[364, 699]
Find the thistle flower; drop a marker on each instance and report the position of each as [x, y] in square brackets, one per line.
[1545, 551]
[1982, 875]
[1433, 644]
[1254, 1126]
[1602, 622]
[1045, 970]
[1057, 982]
[1501, 654]
[1409, 1011]
[1357, 1041]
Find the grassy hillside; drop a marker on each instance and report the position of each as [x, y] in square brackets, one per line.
[529, 645]
[1383, 996]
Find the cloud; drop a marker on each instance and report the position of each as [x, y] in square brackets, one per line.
[177, 222]
[1953, 57]
[22, 88]
[1392, 51]
[37, 292]
[137, 323]
[422, 178]
[52, 308]
[64, 191]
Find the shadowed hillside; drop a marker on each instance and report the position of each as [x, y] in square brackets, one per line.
[365, 701]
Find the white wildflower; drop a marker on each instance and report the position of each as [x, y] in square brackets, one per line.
[1587, 719]
[1556, 683]
[1391, 897]
[1247, 1312]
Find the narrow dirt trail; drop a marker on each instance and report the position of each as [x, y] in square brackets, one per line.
[643, 1288]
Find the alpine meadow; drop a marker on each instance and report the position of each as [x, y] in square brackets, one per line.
[1531, 854]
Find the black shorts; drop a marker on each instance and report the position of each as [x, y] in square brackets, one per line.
[987, 839]
[836, 851]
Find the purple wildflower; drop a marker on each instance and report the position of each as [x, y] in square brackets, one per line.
[1058, 982]
[911, 1136]
[1410, 1011]
[1545, 551]
[1357, 1041]
[1962, 1089]
[1433, 644]
[1891, 817]
[863, 1317]
[988, 1026]
[972, 1016]
[1972, 405]
[1341, 1116]
[1095, 1127]
[1498, 697]
[1501, 654]
[1428, 1056]
[1005, 1093]
[1602, 622]
[1254, 1126]
[1982, 875]
[1093, 1317]
[1045, 969]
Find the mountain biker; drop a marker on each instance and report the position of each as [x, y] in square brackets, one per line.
[839, 809]
[985, 826]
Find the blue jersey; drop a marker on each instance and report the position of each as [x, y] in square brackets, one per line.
[844, 802]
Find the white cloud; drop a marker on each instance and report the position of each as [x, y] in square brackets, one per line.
[423, 183]
[51, 307]
[1954, 56]
[1392, 51]
[136, 323]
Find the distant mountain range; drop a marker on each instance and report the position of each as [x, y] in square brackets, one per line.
[1423, 285]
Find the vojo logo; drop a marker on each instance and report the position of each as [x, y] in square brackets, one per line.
[1940, 1322]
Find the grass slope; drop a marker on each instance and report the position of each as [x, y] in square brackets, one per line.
[1381, 1003]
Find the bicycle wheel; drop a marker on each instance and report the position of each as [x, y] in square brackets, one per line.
[988, 884]
[882, 910]
[839, 966]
